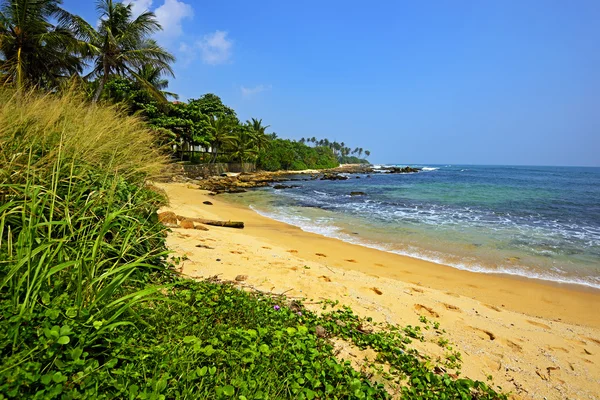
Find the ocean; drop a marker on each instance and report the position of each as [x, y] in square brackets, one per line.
[536, 222]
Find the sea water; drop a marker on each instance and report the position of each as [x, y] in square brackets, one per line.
[537, 222]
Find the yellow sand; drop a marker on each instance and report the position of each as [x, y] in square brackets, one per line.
[536, 339]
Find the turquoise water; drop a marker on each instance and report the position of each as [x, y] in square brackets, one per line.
[537, 222]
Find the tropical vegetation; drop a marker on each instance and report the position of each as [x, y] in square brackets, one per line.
[91, 306]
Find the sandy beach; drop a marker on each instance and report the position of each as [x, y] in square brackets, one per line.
[537, 340]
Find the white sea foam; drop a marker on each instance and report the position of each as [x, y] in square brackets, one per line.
[429, 169]
[324, 227]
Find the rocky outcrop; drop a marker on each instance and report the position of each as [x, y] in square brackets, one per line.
[405, 170]
[333, 177]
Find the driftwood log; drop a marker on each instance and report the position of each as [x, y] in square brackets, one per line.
[225, 224]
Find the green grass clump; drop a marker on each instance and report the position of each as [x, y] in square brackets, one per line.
[90, 308]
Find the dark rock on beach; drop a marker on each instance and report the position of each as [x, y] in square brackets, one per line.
[358, 194]
[333, 177]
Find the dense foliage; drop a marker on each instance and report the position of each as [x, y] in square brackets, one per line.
[285, 154]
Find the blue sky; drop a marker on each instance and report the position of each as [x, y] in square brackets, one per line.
[459, 82]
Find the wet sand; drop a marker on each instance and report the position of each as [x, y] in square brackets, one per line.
[536, 339]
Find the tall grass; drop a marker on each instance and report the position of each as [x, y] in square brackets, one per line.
[74, 216]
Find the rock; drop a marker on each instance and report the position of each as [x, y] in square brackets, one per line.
[368, 176]
[320, 331]
[167, 217]
[405, 170]
[200, 227]
[358, 194]
[333, 177]
[185, 224]
[208, 203]
[241, 278]
[357, 177]
[279, 187]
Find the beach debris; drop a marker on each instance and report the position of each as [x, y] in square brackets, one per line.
[186, 224]
[325, 278]
[320, 331]
[320, 255]
[208, 203]
[199, 227]
[241, 278]
[203, 246]
[379, 292]
[226, 224]
[168, 218]
[358, 194]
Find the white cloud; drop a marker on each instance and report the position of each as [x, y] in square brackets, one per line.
[138, 6]
[170, 15]
[215, 48]
[246, 92]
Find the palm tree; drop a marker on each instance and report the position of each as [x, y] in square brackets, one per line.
[222, 134]
[122, 45]
[257, 131]
[244, 145]
[367, 153]
[154, 76]
[33, 50]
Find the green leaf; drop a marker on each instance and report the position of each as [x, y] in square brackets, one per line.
[189, 339]
[201, 371]
[263, 348]
[71, 312]
[58, 377]
[212, 370]
[228, 390]
[63, 340]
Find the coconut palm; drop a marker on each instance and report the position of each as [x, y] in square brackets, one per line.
[243, 145]
[155, 77]
[221, 134]
[122, 46]
[37, 48]
[367, 153]
[258, 134]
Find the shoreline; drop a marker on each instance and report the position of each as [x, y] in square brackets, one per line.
[512, 328]
[577, 286]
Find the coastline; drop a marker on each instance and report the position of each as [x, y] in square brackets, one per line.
[512, 328]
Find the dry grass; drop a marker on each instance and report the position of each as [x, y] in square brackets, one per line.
[37, 130]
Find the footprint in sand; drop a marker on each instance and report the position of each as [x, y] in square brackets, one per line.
[379, 265]
[484, 334]
[414, 289]
[558, 348]
[592, 339]
[452, 294]
[320, 255]
[351, 260]
[538, 324]
[513, 345]
[325, 278]
[430, 311]
[294, 268]
[265, 247]
[379, 292]
[236, 252]
[292, 251]
[451, 307]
